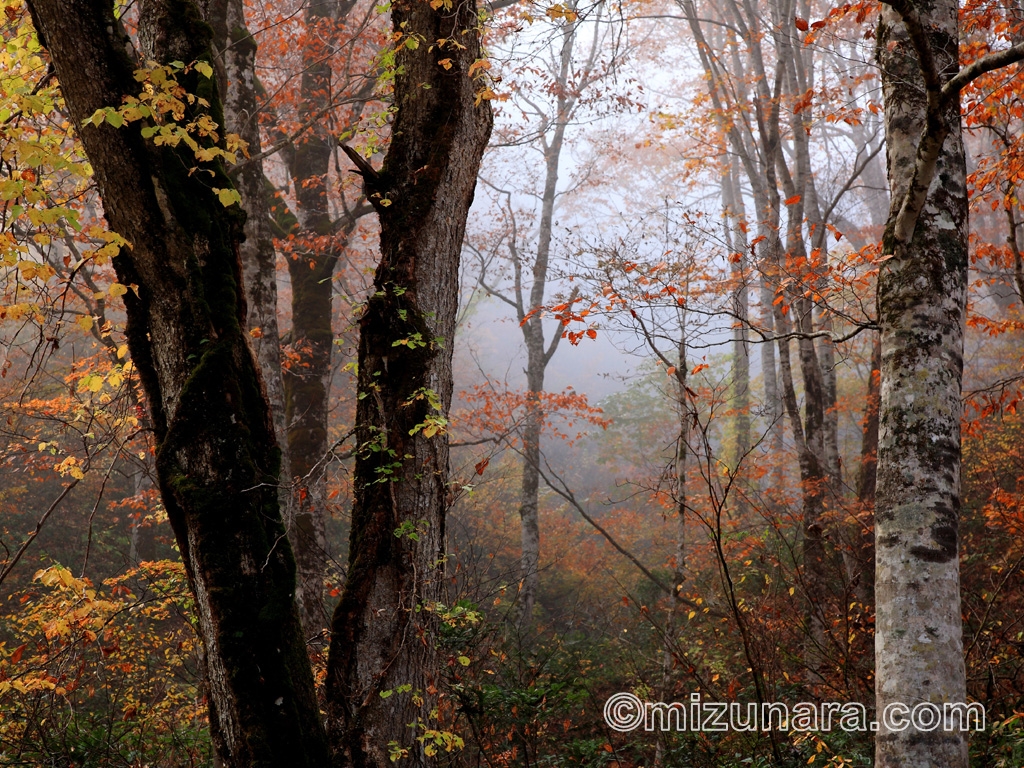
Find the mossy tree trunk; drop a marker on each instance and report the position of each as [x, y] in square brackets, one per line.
[922, 296]
[384, 629]
[217, 459]
[922, 300]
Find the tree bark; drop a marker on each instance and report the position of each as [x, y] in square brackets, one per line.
[217, 460]
[236, 60]
[384, 628]
[922, 294]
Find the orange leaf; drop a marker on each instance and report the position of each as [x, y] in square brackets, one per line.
[793, 200]
[592, 333]
[16, 656]
[480, 466]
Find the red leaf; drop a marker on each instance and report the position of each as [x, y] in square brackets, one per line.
[16, 656]
[480, 466]
[801, 24]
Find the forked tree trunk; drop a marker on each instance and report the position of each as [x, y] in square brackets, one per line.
[383, 631]
[217, 460]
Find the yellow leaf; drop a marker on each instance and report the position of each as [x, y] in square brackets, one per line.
[116, 289]
[122, 351]
[228, 197]
[691, 614]
[204, 69]
[85, 322]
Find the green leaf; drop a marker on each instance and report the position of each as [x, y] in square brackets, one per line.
[115, 118]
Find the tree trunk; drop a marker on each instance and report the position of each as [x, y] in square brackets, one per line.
[670, 651]
[236, 59]
[864, 532]
[217, 460]
[537, 357]
[384, 629]
[735, 222]
[311, 269]
[922, 293]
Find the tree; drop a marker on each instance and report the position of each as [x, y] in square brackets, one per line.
[319, 242]
[922, 300]
[217, 456]
[569, 77]
[422, 196]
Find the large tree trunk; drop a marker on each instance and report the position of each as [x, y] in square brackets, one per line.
[383, 631]
[217, 460]
[922, 293]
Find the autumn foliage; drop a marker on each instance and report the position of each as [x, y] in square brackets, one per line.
[676, 503]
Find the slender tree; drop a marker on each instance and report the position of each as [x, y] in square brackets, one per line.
[572, 75]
